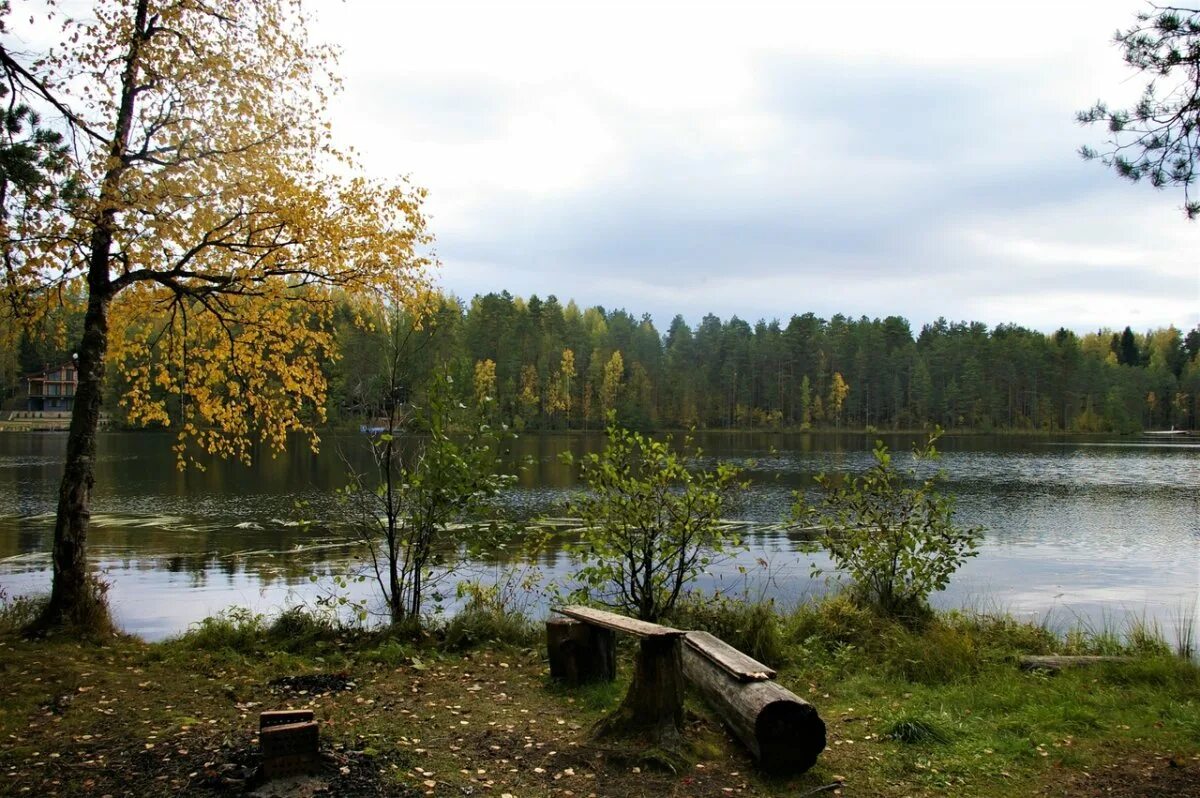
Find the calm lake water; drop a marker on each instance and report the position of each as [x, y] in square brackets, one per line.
[1079, 531]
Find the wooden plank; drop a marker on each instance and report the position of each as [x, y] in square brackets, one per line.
[740, 666]
[619, 623]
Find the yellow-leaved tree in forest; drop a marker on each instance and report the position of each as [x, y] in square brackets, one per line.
[211, 227]
[610, 387]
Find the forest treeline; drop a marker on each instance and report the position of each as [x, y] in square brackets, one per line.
[554, 366]
[547, 365]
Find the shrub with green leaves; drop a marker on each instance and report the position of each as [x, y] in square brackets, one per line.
[417, 510]
[652, 521]
[895, 537]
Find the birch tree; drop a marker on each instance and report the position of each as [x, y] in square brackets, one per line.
[216, 222]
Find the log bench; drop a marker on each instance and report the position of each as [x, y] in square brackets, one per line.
[653, 707]
[782, 731]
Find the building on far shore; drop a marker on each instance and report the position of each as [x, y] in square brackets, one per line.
[51, 390]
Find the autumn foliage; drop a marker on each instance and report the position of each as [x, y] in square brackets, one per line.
[214, 226]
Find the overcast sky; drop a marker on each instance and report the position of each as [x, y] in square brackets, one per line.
[764, 159]
[910, 157]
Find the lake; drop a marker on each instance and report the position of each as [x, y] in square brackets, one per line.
[1090, 532]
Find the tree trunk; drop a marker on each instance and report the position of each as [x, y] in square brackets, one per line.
[75, 600]
[394, 594]
[653, 708]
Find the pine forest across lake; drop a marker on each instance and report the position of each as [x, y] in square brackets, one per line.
[1091, 532]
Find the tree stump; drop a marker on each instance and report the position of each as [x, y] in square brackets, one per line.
[580, 653]
[653, 707]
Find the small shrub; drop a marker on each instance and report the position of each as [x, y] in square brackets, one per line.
[650, 523]
[235, 629]
[475, 625]
[297, 629]
[834, 620]
[19, 612]
[487, 617]
[897, 543]
[938, 655]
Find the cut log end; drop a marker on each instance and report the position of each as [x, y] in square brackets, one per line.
[790, 736]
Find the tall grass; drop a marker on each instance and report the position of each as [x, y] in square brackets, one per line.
[241, 631]
[755, 628]
[1185, 629]
[840, 635]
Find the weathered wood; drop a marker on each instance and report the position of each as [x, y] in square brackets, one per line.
[653, 708]
[1055, 662]
[580, 652]
[742, 667]
[280, 717]
[618, 623]
[783, 731]
[289, 749]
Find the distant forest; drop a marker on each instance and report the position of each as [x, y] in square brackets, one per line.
[555, 366]
[552, 366]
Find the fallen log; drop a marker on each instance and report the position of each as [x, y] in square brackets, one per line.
[783, 731]
[1056, 663]
[740, 666]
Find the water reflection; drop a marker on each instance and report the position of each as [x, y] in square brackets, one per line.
[1085, 530]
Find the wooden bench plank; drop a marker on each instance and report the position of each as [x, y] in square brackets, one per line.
[740, 666]
[619, 623]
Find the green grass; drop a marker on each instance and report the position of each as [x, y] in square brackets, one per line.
[944, 707]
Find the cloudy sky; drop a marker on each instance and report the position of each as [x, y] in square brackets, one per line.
[766, 159]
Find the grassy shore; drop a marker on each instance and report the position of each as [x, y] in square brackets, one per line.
[469, 710]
